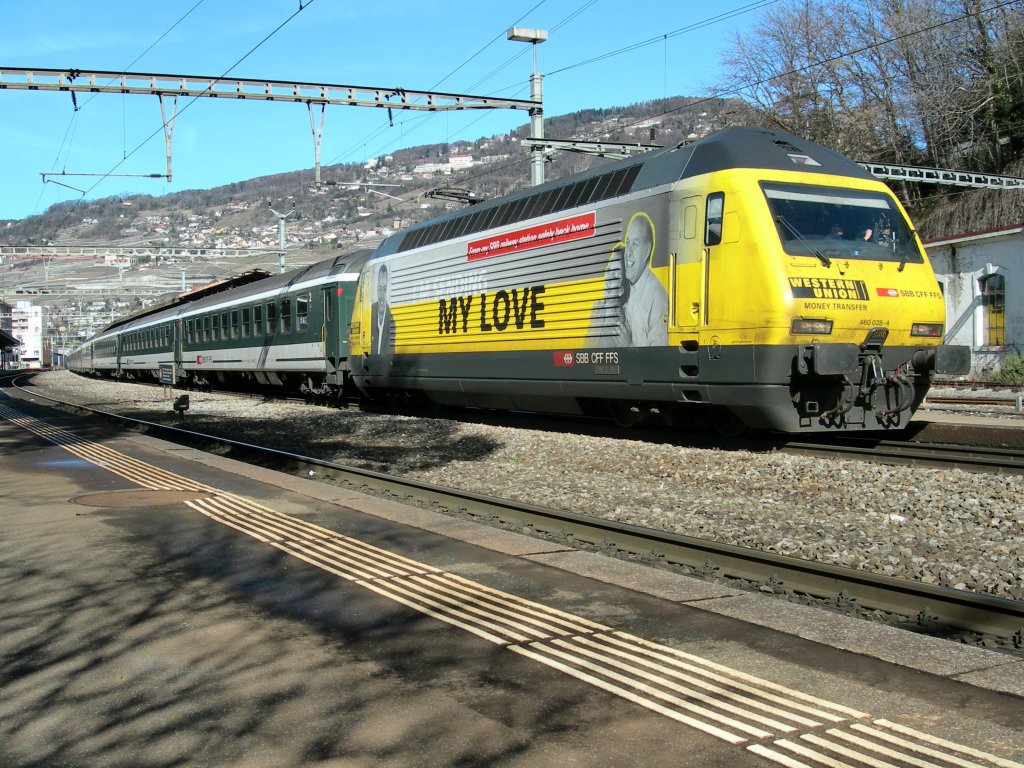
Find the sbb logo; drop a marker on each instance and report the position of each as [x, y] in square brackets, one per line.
[564, 359]
[891, 293]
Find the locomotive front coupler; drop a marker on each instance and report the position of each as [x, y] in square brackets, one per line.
[871, 367]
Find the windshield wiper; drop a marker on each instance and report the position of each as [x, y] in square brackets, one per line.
[906, 251]
[796, 233]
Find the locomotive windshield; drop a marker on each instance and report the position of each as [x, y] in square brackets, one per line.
[840, 223]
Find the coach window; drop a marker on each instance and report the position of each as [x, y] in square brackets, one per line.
[234, 323]
[257, 319]
[302, 311]
[993, 299]
[207, 332]
[271, 317]
[713, 219]
[286, 315]
[246, 322]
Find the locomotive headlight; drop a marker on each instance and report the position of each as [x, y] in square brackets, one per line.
[804, 327]
[932, 330]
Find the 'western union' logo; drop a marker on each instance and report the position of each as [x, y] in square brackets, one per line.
[818, 288]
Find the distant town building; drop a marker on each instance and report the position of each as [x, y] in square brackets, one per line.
[429, 169]
[8, 344]
[27, 323]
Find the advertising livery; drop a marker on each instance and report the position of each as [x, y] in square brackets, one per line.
[753, 272]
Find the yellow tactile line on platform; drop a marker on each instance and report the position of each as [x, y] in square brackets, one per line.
[778, 723]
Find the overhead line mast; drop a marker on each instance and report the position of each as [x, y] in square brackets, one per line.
[161, 85]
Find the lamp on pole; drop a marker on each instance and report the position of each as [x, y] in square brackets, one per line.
[280, 233]
[534, 36]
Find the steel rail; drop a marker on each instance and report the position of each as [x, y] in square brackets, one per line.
[924, 606]
[969, 401]
[969, 458]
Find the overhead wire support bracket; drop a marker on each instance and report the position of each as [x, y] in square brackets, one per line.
[119, 175]
[318, 135]
[168, 127]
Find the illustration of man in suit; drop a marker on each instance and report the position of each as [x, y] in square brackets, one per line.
[382, 334]
[634, 298]
[645, 304]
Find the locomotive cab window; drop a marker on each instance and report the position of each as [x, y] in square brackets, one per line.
[849, 223]
[713, 219]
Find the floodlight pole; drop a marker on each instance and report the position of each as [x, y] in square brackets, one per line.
[534, 36]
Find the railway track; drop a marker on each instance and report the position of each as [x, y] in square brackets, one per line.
[966, 457]
[935, 610]
[1009, 402]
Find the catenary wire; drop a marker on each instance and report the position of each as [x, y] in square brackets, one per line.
[72, 123]
[302, 6]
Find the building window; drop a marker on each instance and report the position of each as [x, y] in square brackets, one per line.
[993, 299]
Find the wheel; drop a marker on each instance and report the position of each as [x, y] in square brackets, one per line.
[624, 414]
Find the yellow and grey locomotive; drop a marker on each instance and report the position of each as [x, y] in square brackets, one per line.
[752, 276]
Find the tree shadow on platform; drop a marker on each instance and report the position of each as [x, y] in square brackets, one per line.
[159, 638]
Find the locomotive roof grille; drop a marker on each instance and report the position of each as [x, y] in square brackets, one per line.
[583, 192]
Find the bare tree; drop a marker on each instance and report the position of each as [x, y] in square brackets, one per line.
[907, 81]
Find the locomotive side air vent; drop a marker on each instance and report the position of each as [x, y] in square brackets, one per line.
[574, 195]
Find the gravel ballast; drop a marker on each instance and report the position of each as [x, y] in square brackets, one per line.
[945, 527]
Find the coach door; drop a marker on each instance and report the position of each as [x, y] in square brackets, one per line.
[178, 343]
[329, 332]
[337, 310]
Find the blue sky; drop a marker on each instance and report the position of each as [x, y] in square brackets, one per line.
[455, 46]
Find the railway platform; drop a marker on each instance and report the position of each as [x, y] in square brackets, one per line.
[166, 606]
